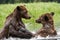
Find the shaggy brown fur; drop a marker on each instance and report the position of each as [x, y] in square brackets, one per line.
[14, 25]
[48, 25]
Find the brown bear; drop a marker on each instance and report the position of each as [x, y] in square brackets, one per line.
[14, 26]
[47, 25]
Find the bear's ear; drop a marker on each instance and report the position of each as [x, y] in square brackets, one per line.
[18, 8]
[52, 13]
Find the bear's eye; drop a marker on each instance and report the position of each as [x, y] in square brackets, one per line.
[25, 11]
[46, 18]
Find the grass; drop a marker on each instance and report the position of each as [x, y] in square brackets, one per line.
[35, 10]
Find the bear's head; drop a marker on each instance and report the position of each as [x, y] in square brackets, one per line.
[46, 19]
[21, 11]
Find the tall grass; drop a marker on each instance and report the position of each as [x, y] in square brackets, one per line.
[35, 10]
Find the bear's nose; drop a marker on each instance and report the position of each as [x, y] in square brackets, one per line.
[38, 21]
[29, 17]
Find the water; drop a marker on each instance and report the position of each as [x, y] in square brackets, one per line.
[38, 37]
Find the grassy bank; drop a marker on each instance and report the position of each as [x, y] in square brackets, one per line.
[35, 10]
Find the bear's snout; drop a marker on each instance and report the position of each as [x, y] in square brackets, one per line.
[38, 21]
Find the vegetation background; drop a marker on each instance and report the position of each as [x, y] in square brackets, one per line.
[26, 1]
[35, 7]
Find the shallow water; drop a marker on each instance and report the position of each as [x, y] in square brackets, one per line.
[37, 38]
